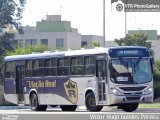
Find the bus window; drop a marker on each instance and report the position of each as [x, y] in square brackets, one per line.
[35, 68]
[63, 67]
[89, 65]
[28, 72]
[77, 66]
[50, 67]
[9, 70]
[40, 67]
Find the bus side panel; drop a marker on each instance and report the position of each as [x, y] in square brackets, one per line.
[10, 91]
[59, 91]
[9, 87]
[83, 84]
[33, 83]
[50, 91]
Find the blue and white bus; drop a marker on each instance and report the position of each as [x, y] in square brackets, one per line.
[113, 76]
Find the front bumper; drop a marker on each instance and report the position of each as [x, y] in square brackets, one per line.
[115, 99]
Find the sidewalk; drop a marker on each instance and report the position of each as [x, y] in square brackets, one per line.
[14, 107]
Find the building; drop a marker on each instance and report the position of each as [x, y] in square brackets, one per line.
[156, 48]
[152, 34]
[52, 31]
[58, 34]
[87, 40]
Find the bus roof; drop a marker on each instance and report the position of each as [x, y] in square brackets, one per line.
[65, 53]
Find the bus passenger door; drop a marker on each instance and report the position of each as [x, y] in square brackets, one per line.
[101, 81]
[19, 84]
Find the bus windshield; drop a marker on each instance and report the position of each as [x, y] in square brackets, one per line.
[130, 71]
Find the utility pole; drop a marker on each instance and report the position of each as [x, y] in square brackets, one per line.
[104, 19]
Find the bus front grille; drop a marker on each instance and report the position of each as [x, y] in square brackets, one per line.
[133, 98]
[133, 88]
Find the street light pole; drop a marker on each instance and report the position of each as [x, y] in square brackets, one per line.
[125, 18]
[104, 30]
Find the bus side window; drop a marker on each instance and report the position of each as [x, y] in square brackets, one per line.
[50, 67]
[63, 67]
[89, 65]
[35, 68]
[28, 72]
[9, 70]
[40, 68]
[76, 66]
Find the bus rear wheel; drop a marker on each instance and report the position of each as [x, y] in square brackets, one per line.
[68, 107]
[35, 104]
[130, 107]
[91, 103]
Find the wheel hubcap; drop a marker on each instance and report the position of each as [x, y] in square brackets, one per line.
[92, 102]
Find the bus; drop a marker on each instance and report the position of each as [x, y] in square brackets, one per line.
[112, 76]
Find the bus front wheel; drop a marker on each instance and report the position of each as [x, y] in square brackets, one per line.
[91, 103]
[68, 107]
[130, 107]
[35, 104]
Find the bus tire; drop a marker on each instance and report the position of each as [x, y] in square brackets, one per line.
[68, 107]
[91, 103]
[35, 104]
[129, 107]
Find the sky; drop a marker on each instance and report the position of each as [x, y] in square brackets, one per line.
[87, 16]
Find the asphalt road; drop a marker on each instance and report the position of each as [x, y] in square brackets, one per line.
[80, 114]
[22, 109]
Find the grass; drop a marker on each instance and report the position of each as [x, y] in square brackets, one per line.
[149, 105]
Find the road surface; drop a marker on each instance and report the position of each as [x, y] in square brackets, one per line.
[22, 113]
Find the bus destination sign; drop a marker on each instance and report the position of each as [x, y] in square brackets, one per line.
[129, 52]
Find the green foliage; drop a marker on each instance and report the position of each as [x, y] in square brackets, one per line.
[156, 78]
[95, 44]
[11, 13]
[1, 66]
[28, 50]
[60, 49]
[84, 46]
[6, 42]
[134, 40]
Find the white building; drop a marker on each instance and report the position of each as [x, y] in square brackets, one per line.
[53, 32]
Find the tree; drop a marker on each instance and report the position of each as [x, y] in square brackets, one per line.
[7, 42]
[28, 50]
[156, 78]
[95, 44]
[134, 40]
[10, 14]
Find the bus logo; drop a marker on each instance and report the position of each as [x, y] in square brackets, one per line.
[71, 91]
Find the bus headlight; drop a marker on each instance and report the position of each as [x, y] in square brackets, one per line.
[115, 91]
[148, 91]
